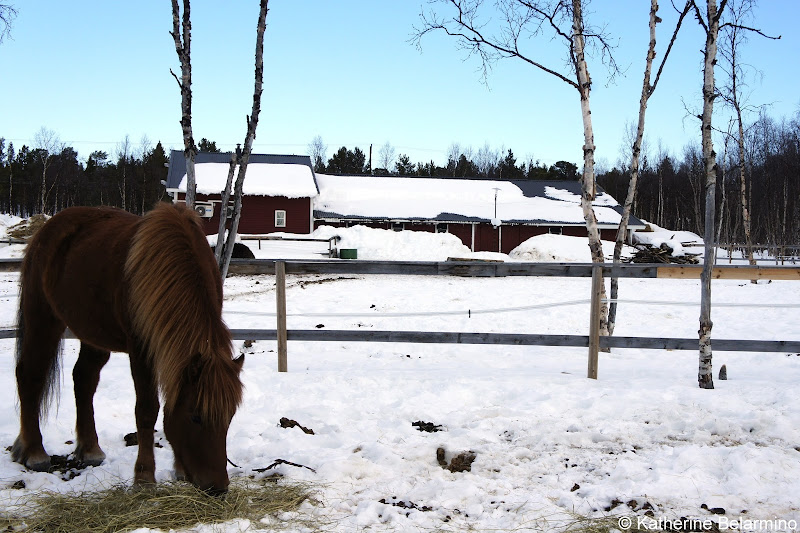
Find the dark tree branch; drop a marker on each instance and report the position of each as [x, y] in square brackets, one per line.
[176, 79]
[699, 16]
[252, 124]
[747, 28]
[464, 27]
[683, 14]
[7, 15]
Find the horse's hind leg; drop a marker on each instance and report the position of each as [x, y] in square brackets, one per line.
[85, 376]
[37, 369]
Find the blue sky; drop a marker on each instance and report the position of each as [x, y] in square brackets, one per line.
[94, 71]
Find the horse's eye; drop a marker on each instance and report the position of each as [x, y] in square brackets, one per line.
[196, 419]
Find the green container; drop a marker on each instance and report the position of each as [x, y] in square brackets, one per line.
[348, 253]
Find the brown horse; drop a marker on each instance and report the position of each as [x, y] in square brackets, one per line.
[148, 286]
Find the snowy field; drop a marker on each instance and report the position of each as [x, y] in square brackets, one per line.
[641, 442]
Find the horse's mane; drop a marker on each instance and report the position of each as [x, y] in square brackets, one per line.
[175, 295]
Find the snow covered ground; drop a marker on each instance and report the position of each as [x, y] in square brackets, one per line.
[549, 444]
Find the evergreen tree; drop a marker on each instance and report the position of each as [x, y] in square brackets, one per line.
[345, 161]
[207, 146]
[564, 170]
[319, 165]
[508, 168]
[465, 168]
[404, 166]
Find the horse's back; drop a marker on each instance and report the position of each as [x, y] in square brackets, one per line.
[76, 263]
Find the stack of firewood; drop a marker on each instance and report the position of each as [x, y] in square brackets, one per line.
[646, 253]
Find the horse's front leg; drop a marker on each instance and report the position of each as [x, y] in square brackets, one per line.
[85, 376]
[144, 381]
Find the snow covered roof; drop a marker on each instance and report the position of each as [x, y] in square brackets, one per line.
[401, 198]
[459, 200]
[267, 175]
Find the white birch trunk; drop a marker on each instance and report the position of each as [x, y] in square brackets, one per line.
[252, 124]
[704, 377]
[183, 40]
[219, 250]
[637, 148]
[588, 179]
[748, 239]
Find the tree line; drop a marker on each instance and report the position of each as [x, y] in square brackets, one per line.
[50, 177]
[670, 187]
[486, 163]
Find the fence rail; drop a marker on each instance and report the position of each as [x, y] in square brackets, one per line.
[492, 269]
[510, 339]
[489, 269]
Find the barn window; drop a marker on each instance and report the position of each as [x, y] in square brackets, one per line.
[441, 228]
[398, 226]
[280, 218]
[555, 230]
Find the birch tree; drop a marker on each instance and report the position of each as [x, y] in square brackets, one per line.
[182, 35]
[319, 153]
[123, 156]
[647, 91]
[520, 19]
[48, 146]
[710, 21]
[386, 155]
[733, 94]
[252, 123]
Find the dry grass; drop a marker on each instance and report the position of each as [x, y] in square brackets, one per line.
[26, 228]
[168, 506]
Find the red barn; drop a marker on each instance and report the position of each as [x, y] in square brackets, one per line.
[283, 194]
[279, 191]
[487, 215]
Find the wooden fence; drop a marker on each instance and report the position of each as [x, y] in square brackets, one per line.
[594, 342]
[776, 253]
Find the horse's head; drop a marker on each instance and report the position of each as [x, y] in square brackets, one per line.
[196, 423]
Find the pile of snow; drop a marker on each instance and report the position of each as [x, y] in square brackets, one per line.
[558, 249]
[9, 251]
[388, 245]
[6, 221]
[381, 244]
[680, 242]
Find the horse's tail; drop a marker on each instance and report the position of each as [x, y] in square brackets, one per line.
[175, 302]
[50, 391]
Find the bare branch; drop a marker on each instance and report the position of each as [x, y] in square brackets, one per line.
[466, 28]
[699, 16]
[683, 14]
[747, 28]
[252, 124]
[7, 15]
[176, 79]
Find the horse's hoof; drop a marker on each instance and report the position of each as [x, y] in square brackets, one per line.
[144, 479]
[93, 458]
[139, 483]
[41, 465]
[36, 461]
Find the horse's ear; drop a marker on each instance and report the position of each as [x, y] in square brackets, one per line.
[239, 362]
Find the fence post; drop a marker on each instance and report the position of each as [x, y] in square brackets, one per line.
[280, 296]
[594, 320]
